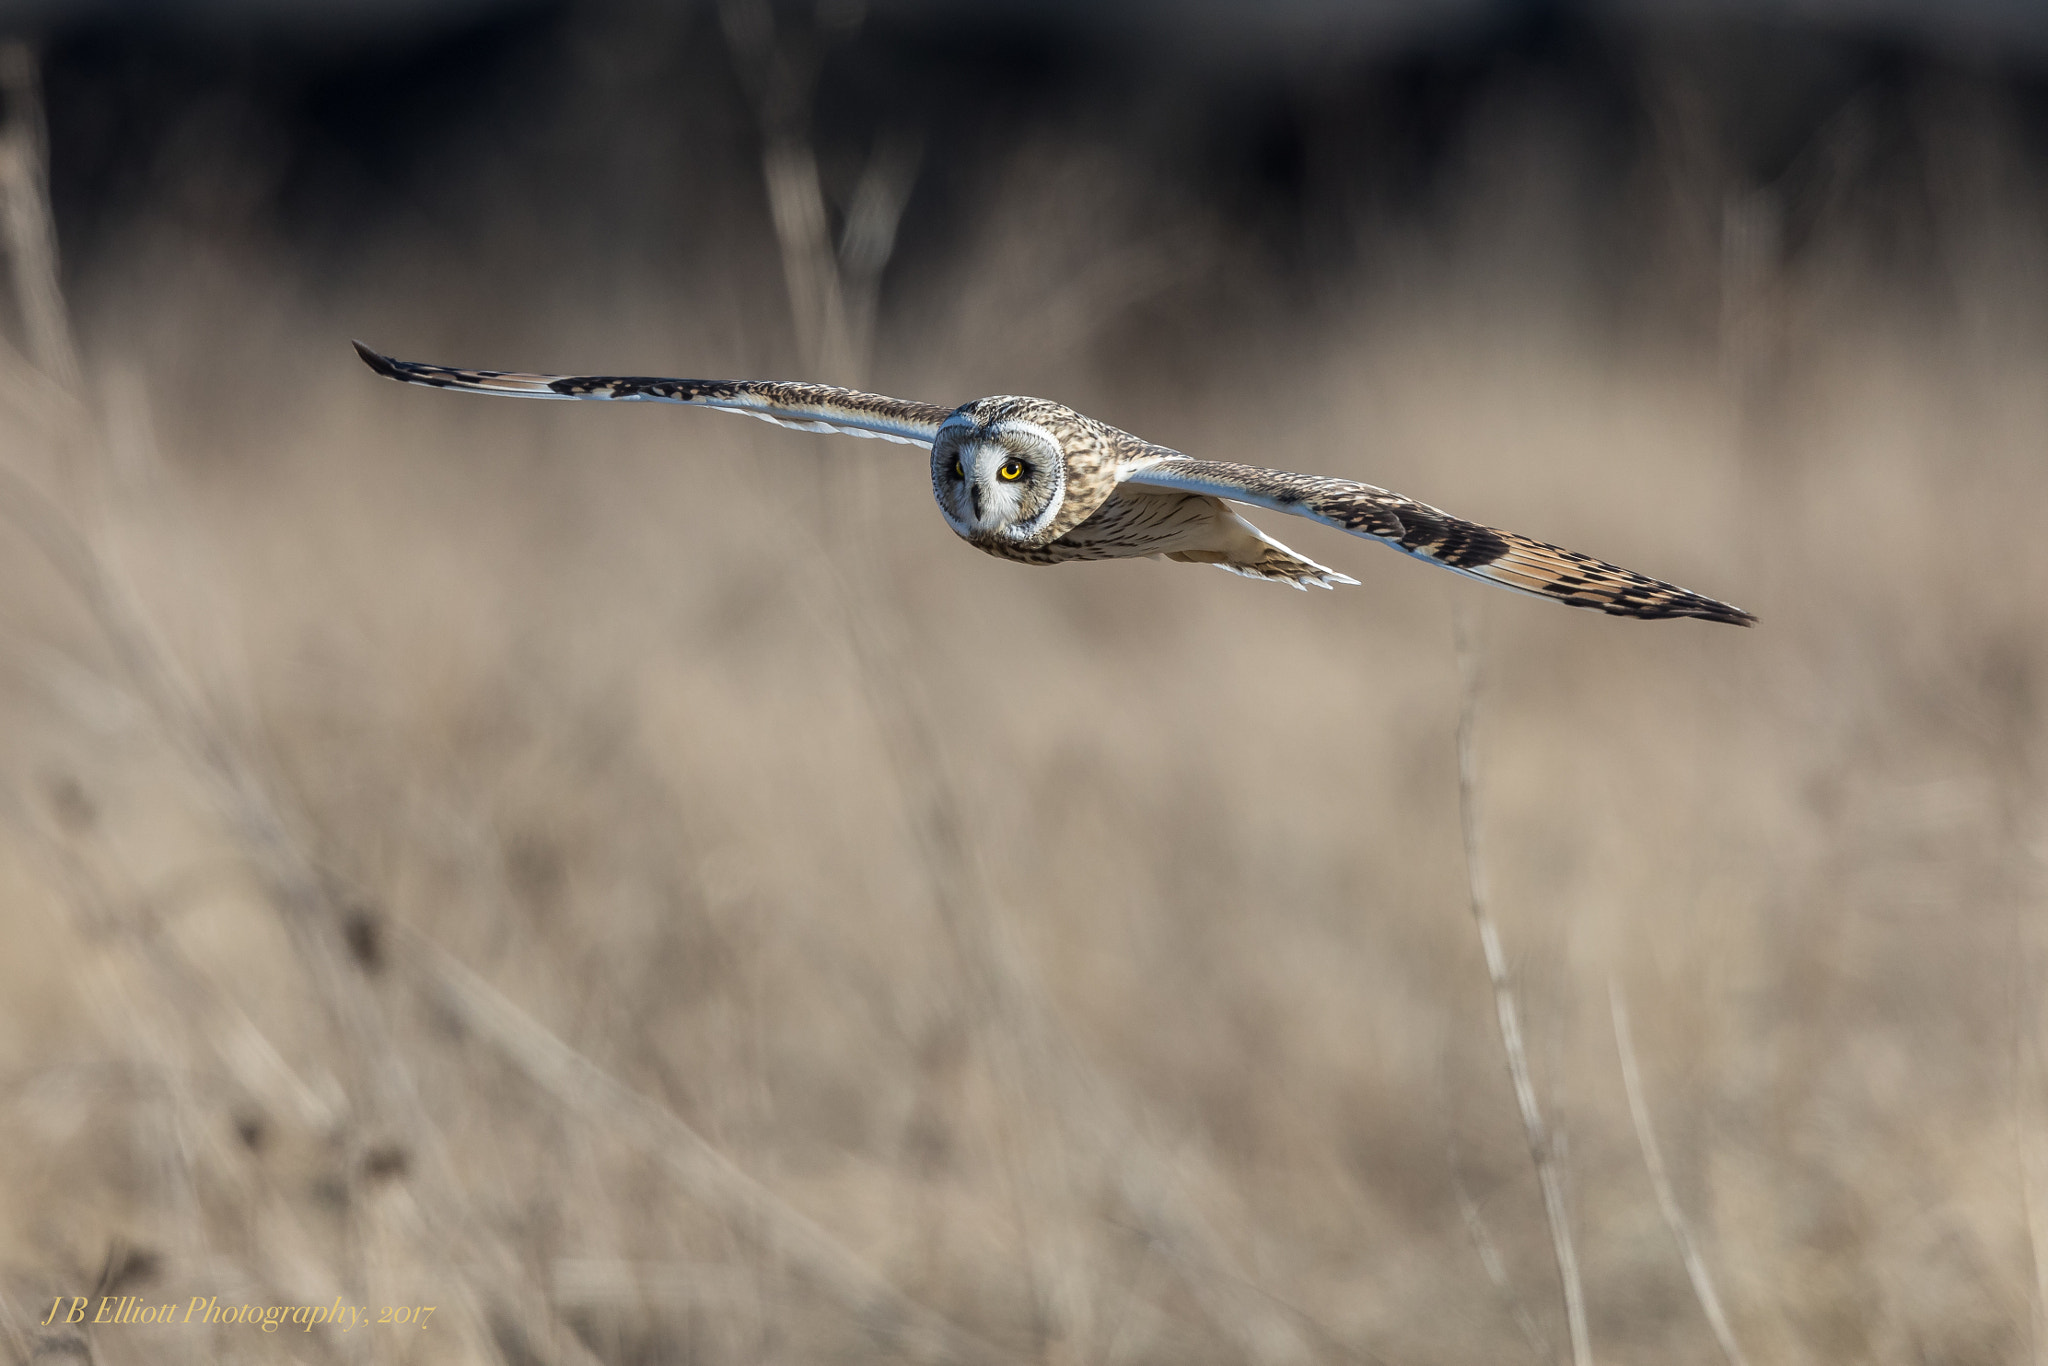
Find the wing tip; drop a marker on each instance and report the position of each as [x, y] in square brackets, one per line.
[1683, 602]
[1545, 570]
[1689, 605]
[1733, 616]
[378, 362]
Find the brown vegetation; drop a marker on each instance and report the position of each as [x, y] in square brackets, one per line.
[632, 880]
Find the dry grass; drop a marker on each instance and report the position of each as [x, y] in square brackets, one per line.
[522, 861]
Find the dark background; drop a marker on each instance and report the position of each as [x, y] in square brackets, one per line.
[1306, 132]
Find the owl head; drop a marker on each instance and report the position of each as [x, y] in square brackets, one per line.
[999, 476]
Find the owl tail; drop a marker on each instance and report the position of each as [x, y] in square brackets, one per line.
[1240, 547]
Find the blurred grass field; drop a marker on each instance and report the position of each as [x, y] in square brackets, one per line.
[1071, 965]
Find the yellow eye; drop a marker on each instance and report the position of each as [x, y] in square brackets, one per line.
[1011, 471]
[958, 473]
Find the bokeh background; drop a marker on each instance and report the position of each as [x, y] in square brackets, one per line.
[633, 881]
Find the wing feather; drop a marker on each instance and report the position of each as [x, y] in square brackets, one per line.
[1479, 552]
[805, 407]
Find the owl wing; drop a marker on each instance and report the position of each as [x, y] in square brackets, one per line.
[806, 407]
[1417, 529]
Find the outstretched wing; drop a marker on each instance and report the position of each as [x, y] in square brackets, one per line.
[806, 407]
[1417, 529]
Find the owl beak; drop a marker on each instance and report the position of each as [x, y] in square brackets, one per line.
[974, 495]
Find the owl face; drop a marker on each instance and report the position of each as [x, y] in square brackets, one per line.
[998, 481]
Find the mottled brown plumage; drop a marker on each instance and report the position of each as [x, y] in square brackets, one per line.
[807, 407]
[1482, 552]
[1034, 481]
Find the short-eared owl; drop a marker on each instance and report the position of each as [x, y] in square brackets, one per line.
[1026, 479]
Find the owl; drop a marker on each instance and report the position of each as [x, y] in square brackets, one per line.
[1033, 481]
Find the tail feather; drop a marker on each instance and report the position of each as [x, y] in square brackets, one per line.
[1274, 563]
[1230, 542]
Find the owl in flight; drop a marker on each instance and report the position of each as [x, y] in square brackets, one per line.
[1030, 480]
